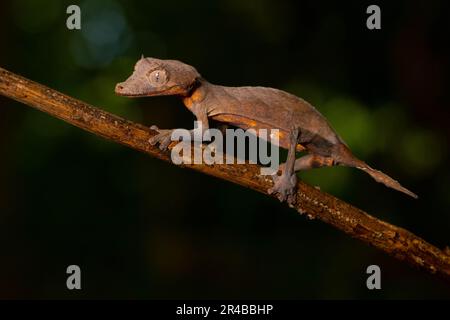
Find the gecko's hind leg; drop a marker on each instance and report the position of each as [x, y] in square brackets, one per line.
[307, 162]
[284, 185]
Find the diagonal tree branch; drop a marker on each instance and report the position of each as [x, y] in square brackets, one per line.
[393, 240]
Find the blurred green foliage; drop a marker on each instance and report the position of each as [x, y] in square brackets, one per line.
[140, 228]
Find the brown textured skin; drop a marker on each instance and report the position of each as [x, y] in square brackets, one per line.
[250, 107]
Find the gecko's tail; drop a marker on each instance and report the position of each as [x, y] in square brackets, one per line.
[346, 158]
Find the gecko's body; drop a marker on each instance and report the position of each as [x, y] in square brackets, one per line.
[264, 108]
[300, 125]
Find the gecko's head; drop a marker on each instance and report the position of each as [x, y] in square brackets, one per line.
[155, 77]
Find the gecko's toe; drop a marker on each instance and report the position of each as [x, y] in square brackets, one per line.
[164, 143]
[291, 200]
[153, 141]
[281, 196]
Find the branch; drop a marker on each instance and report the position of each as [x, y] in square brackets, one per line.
[391, 239]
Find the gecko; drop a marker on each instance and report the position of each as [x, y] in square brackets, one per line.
[301, 127]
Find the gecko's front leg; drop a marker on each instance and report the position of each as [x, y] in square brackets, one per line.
[164, 136]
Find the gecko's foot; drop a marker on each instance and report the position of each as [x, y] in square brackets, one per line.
[163, 137]
[284, 187]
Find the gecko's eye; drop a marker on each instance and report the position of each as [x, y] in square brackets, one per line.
[157, 77]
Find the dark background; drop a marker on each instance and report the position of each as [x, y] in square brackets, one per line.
[141, 228]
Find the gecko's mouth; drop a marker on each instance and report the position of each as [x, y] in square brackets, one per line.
[131, 95]
[124, 91]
